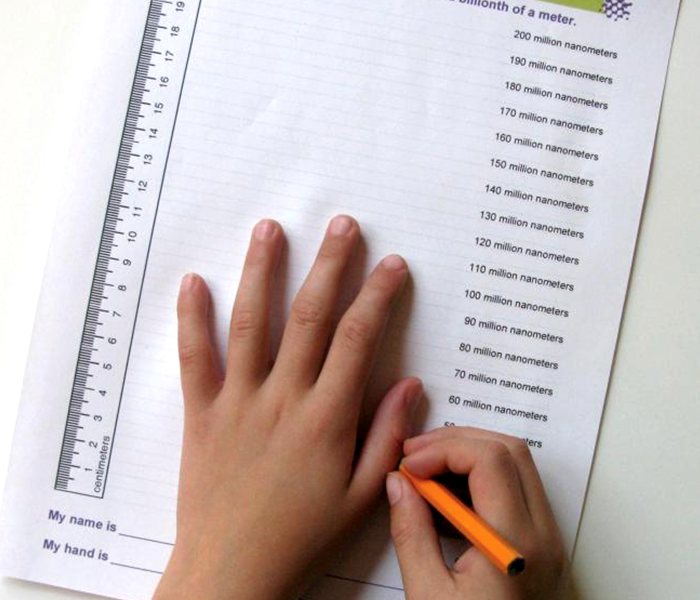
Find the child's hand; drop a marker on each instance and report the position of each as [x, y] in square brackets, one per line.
[506, 491]
[271, 474]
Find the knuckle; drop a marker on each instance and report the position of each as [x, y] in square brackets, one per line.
[520, 449]
[323, 422]
[189, 355]
[330, 250]
[497, 452]
[470, 431]
[479, 484]
[307, 313]
[243, 323]
[382, 286]
[403, 531]
[276, 413]
[318, 425]
[258, 257]
[358, 334]
[198, 427]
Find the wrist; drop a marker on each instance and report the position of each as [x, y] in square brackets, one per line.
[199, 575]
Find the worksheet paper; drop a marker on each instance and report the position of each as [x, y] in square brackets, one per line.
[502, 148]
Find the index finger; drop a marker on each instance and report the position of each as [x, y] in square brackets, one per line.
[494, 482]
[533, 490]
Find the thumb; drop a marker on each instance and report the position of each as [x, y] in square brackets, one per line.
[417, 547]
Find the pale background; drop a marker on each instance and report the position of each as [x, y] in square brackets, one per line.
[640, 533]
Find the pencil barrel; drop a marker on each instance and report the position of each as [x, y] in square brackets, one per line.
[484, 537]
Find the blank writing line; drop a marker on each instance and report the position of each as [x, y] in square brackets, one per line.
[136, 568]
[145, 539]
[387, 587]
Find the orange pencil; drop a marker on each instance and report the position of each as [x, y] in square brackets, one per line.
[472, 526]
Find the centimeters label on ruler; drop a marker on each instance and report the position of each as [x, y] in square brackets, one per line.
[103, 356]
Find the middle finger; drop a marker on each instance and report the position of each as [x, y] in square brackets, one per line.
[306, 334]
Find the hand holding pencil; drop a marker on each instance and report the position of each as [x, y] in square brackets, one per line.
[507, 496]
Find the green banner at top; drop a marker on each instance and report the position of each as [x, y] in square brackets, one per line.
[594, 5]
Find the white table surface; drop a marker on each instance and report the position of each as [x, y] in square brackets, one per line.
[640, 532]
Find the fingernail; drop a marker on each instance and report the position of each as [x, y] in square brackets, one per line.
[264, 230]
[341, 225]
[394, 488]
[188, 282]
[394, 262]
